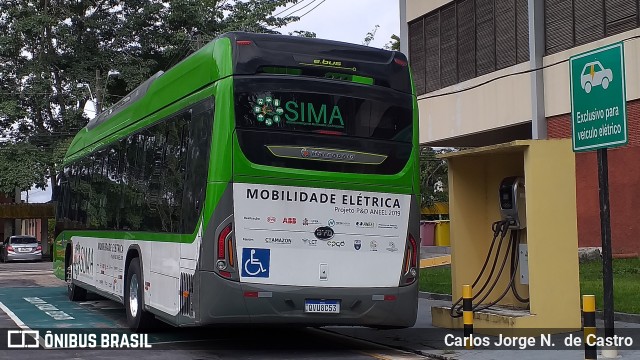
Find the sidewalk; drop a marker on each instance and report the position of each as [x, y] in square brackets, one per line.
[427, 340]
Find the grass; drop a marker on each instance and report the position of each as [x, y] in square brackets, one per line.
[436, 279]
[626, 284]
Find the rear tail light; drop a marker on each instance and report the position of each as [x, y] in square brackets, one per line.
[10, 248]
[414, 251]
[225, 261]
[400, 62]
[328, 132]
[39, 248]
[410, 264]
[221, 241]
[244, 42]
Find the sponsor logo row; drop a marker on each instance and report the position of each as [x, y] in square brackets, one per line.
[330, 223]
[373, 245]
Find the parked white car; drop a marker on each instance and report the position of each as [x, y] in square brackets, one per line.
[594, 74]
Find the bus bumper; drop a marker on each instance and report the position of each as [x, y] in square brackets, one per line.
[221, 301]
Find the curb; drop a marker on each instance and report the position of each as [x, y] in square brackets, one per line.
[617, 316]
[623, 317]
[434, 296]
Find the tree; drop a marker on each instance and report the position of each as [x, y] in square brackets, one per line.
[301, 33]
[21, 166]
[49, 47]
[370, 36]
[433, 176]
[393, 44]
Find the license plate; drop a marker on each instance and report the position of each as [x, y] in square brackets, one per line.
[24, 249]
[322, 306]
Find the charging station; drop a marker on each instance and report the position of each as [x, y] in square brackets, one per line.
[514, 237]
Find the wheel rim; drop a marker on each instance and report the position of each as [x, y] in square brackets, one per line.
[133, 295]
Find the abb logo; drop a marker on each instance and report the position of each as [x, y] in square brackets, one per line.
[289, 220]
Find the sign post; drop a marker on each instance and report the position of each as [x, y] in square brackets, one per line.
[599, 121]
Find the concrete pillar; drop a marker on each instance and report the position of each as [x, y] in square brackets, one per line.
[8, 228]
[536, 53]
[404, 28]
[44, 231]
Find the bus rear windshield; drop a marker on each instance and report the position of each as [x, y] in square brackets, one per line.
[353, 112]
[323, 125]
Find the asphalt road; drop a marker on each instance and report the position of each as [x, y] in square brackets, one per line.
[30, 296]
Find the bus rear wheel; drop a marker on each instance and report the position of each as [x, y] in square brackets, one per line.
[137, 318]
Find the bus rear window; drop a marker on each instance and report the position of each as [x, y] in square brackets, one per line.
[323, 113]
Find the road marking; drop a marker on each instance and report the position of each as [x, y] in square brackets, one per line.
[21, 324]
[25, 273]
[435, 261]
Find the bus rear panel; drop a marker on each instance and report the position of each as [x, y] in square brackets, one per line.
[319, 225]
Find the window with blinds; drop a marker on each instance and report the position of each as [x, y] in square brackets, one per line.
[465, 39]
[469, 38]
[570, 23]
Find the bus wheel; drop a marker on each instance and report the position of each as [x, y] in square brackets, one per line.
[74, 292]
[137, 318]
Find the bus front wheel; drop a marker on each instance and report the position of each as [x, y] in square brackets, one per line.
[137, 318]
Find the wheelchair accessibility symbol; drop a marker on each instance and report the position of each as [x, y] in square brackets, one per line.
[255, 262]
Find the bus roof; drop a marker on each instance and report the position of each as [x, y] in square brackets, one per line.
[240, 53]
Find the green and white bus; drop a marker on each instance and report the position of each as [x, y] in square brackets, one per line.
[264, 179]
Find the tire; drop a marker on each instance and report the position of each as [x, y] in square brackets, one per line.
[587, 87]
[605, 83]
[137, 318]
[74, 292]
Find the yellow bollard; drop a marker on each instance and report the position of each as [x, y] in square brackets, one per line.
[467, 315]
[589, 316]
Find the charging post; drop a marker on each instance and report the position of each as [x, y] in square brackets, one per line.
[522, 195]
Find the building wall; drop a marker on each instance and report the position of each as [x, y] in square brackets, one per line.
[500, 103]
[417, 8]
[32, 227]
[624, 187]
[505, 100]
[557, 95]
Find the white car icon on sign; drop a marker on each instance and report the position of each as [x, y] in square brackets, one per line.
[594, 74]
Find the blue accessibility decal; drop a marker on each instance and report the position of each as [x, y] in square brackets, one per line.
[255, 262]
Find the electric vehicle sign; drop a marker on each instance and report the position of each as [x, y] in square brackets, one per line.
[598, 100]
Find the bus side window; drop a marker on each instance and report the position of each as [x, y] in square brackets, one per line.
[197, 164]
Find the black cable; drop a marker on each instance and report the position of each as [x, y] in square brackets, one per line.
[498, 228]
[478, 307]
[423, 97]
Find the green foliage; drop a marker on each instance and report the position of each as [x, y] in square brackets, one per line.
[21, 166]
[49, 47]
[370, 36]
[433, 176]
[301, 33]
[393, 44]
